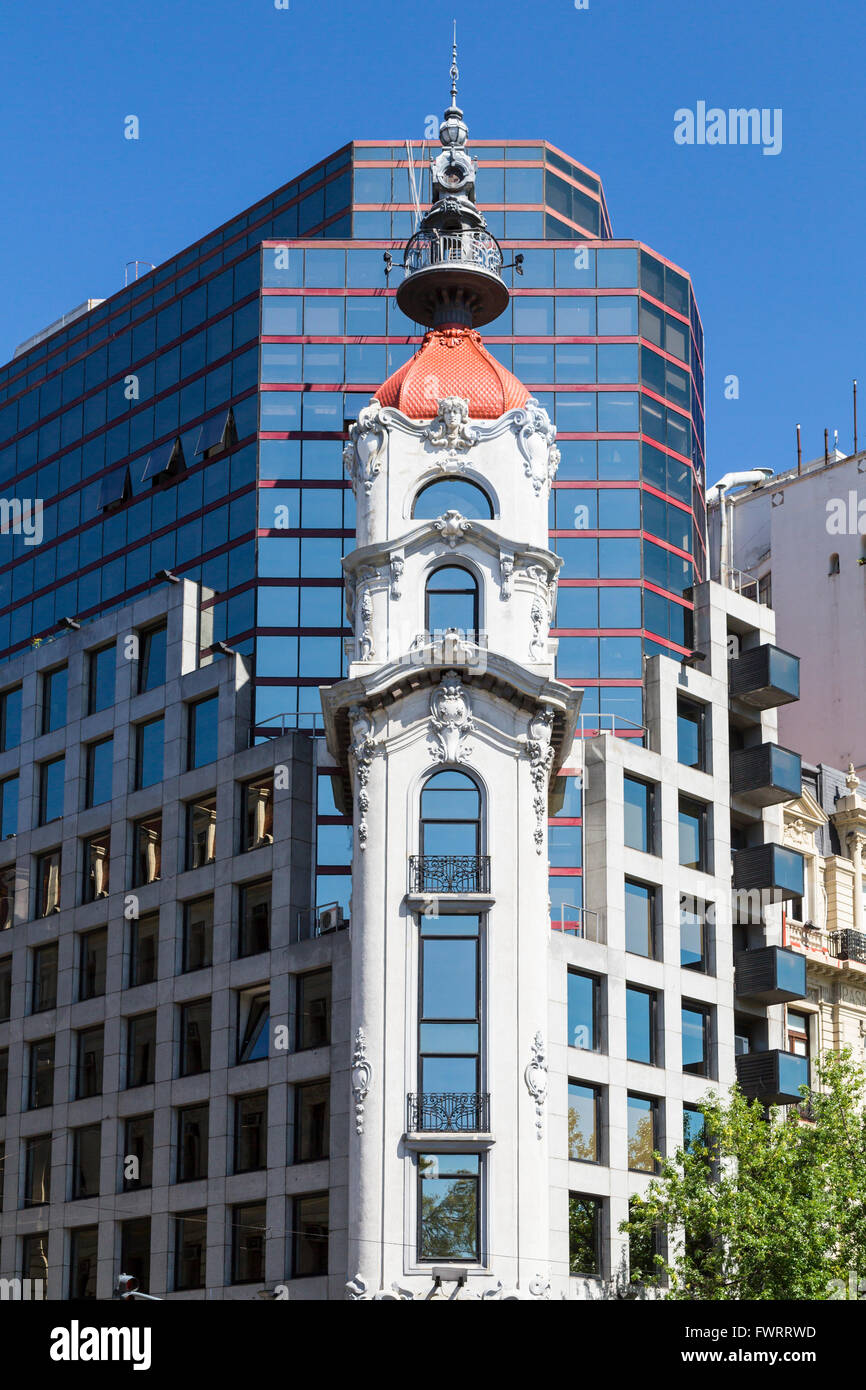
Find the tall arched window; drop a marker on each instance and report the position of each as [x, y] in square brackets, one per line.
[452, 601]
[452, 495]
[450, 816]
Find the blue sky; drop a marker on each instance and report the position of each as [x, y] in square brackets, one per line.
[235, 97]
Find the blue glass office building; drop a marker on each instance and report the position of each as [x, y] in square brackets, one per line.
[194, 423]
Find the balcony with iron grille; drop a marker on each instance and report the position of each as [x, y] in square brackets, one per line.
[448, 1112]
[449, 873]
[439, 265]
[848, 945]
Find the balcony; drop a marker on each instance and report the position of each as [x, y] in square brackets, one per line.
[848, 945]
[448, 1112]
[772, 869]
[438, 262]
[772, 1077]
[765, 677]
[766, 774]
[449, 873]
[770, 975]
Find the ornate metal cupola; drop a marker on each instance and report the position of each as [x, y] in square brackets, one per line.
[453, 264]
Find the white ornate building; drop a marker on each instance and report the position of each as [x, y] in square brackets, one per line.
[509, 1083]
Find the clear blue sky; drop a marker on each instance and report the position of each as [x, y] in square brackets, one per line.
[235, 97]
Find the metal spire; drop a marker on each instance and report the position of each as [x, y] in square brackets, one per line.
[455, 72]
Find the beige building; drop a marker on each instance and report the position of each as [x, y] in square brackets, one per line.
[827, 825]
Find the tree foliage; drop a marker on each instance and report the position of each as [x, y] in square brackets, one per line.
[765, 1205]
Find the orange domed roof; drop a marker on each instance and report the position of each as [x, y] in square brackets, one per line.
[453, 362]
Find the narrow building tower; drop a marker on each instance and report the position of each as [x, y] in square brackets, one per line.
[448, 728]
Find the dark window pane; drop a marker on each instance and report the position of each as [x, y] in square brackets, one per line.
[138, 1153]
[310, 1246]
[583, 1123]
[192, 1141]
[248, 1243]
[203, 724]
[195, 1037]
[642, 1137]
[141, 1055]
[198, 933]
[312, 1121]
[152, 670]
[251, 1132]
[314, 1009]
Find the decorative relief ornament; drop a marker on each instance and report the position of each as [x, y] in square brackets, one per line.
[362, 749]
[362, 1077]
[540, 752]
[798, 835]
[366, 647]
[452, 527]
[506, 576]
[396, 568]
[451, 718]
[451, 429]
[363, 450]
[358, 1290]
[536, 1079]
[536, 440]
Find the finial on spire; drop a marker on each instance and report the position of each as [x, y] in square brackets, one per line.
[455, 71]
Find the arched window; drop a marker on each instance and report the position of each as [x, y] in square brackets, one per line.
[452, 601]
[452, 495]
[450, 816]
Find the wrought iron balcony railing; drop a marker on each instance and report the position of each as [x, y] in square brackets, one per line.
[473, 247]
[848, 945]
[449, 873]
[448, 1112]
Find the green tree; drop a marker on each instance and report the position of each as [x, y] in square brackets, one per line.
[771, 1206]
